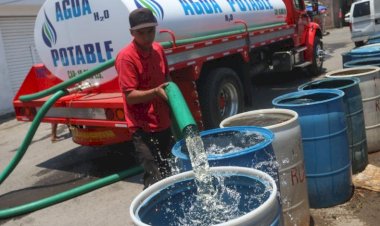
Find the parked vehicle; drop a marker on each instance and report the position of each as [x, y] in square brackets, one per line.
[347, 17]
[365, 20]
[213, 48]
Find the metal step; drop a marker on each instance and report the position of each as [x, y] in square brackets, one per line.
[299, 49]
[302, 65]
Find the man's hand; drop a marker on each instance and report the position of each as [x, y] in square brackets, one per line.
[142, 96]
[159, 91]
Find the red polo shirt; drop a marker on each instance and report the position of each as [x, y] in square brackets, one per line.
[143, 70]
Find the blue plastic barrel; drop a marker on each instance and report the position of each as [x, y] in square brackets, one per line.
[324, 138]
[353, 107]
[168, 201]
[373, 61]
[374, 39]
[346, 56]
[367, 51]
[253, 149]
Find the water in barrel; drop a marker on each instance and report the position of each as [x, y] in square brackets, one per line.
[214, 202]
[237, 141]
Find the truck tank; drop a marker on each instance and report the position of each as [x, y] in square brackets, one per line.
[72, 36]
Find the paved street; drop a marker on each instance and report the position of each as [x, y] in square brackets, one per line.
[48, 168]
[267, 87]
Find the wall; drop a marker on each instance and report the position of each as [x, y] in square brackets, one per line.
[329, 19]
[333, 19]
[12, 8]
[6, 94]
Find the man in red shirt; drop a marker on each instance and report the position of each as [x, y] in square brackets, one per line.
[143, 71]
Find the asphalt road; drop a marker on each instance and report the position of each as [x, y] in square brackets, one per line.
[48, 168]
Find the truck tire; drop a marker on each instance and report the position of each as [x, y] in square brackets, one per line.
[221, 95]
[316, 67]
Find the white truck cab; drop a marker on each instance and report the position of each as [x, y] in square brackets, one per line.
[365, 20]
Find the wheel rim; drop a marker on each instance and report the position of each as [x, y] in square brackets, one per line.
[228, 102]
[320, 54]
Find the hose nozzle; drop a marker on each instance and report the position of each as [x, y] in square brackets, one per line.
[84, 86]
[180, 110]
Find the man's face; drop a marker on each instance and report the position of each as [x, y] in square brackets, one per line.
[144, 36]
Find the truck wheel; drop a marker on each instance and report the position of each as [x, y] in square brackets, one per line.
[316, 67]
[221, 96]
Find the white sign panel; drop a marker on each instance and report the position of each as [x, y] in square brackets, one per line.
[73, 36]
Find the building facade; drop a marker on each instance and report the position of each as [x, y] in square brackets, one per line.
[335, 12]
[17, 52]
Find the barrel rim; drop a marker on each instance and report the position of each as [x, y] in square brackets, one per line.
[352, 63]
[373, 41]
[373, 69]
[356, 81]
[339, 94]
[368, 55]
[357, 51]
[151, 191]
[269, 136]
[289, 112]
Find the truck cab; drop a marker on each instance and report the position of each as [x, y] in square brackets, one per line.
[365, 20]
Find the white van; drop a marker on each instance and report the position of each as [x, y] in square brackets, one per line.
[365, 20]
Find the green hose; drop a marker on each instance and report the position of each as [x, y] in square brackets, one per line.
[180, 110]
[39, 204]
[29, 136]
[67, 83]
[63, 196]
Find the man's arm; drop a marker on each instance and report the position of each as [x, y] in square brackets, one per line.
[142, 96]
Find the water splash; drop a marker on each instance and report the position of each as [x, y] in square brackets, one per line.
[215, 202]
[270, 166]
[199, 160]
[215, 149]
[213, 208]
[175, 166]
[228, 142]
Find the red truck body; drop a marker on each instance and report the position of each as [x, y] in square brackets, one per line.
[214, 76]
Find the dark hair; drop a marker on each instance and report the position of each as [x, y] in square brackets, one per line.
[142, 18]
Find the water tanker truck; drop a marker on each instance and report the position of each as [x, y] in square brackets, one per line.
[213, 47]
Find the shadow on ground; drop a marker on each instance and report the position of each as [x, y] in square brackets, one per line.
[268, 86]
[71, 169]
